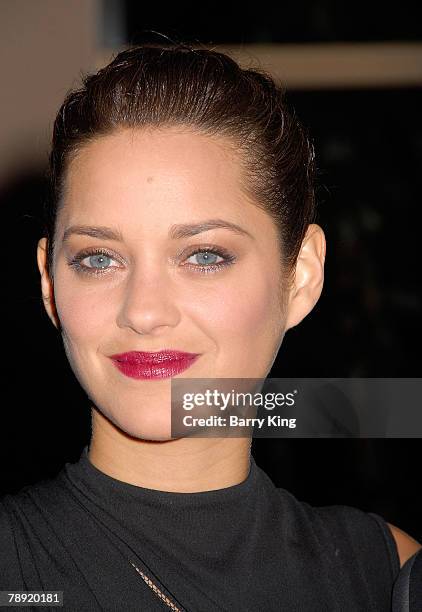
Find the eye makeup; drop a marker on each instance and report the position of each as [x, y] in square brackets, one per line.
[206, 250]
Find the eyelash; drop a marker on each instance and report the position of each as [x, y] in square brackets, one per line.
[229, 259]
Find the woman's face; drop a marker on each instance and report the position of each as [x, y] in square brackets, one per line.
[155, 291]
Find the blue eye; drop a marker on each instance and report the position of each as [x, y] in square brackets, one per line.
[208, 257]
[99, 260]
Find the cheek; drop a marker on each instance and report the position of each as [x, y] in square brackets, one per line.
[84, 313]
[242, 315]
[239, 308]
[84, 318]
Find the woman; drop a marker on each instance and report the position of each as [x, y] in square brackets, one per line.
[180, 243]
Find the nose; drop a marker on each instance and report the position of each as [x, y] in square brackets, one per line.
[149, 302]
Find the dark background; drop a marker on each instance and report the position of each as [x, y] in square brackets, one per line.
[367, 321]
[267, 21]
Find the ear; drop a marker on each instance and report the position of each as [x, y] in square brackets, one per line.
[309, 276]
[46, 283]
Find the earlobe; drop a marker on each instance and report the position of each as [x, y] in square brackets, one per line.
[309, 276]
[46, 284]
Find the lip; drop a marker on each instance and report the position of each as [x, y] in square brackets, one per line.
[147, 365]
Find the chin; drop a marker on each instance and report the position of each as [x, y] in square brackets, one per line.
[153, 426]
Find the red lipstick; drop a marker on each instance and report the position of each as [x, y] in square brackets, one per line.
[145, 365]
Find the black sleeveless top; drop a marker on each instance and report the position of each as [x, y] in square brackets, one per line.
[251, 547]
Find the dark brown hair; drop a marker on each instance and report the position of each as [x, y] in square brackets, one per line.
[156, 85]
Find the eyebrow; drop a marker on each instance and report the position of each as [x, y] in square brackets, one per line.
[176, 232]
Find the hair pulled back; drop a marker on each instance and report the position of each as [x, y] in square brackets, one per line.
[157, 86]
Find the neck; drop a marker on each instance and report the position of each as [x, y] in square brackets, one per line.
[184, 465]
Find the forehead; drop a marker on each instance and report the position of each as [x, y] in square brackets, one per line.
[171, 158]
[158, 175]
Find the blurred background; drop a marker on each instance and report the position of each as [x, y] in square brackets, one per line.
[353, 72]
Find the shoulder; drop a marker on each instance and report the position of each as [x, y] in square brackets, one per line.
[10, 571]
[406, 545]
[27, 518]
[378, 533]
[358, 537]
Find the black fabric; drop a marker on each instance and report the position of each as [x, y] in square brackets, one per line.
[407, 591]
[248, 547]
[415, 584]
